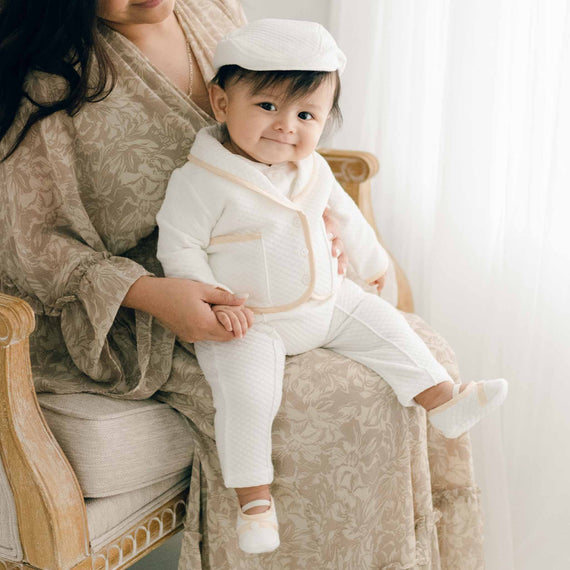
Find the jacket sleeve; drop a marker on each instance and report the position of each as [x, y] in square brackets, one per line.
[369, 259]
[185, 223]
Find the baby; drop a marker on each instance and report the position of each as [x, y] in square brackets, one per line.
[245, 213]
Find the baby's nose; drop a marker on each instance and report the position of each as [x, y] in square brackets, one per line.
[285, 124]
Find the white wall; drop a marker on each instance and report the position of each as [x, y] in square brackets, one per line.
[315, 10]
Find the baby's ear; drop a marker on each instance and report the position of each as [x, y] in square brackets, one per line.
[218, 101]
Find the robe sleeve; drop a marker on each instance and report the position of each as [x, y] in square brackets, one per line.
[51, 254]
[369, 259]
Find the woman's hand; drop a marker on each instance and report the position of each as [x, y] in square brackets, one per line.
[336, 243]
[183, 306]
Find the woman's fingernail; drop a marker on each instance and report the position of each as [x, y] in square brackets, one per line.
[330, 236]
[242, 295]
[335, 252]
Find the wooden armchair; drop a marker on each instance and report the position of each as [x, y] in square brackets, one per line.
[52, 519]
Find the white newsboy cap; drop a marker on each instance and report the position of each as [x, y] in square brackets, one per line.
[274, 44]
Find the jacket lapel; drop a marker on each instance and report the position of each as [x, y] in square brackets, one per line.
[208, 152]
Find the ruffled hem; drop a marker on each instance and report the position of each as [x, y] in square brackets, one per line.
[76, 283]
[87, 316]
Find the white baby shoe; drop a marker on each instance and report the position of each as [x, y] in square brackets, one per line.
[258, 533]
[466, 408]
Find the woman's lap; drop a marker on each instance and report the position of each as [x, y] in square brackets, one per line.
[352, 477]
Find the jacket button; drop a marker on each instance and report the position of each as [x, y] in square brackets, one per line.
[304, 251]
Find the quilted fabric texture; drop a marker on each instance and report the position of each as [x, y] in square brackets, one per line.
[246, 374]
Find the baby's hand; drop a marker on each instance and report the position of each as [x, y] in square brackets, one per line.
[379, 283]
[236, 318]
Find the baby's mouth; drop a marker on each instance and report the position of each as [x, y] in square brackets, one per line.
[279, 141]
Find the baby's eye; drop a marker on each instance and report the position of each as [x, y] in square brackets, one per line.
[305, 116]
[268, 106]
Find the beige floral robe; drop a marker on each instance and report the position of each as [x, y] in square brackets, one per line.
[360, 484]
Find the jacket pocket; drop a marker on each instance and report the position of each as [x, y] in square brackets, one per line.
[238, 261]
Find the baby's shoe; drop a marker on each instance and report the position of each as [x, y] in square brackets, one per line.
[466, 408]
[258, 533]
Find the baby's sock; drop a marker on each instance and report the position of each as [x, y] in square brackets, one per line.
[260, 532]
[466, 408]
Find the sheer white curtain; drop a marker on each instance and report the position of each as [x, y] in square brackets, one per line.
[467, 105]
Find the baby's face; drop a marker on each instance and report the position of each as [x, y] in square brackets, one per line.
[270, 127]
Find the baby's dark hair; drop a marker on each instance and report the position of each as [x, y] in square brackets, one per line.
[297, 83]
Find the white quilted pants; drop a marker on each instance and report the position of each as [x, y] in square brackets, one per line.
[246, 375]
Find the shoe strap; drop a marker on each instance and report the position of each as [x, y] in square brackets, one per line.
[256, 503]
[248, 526]
[470, 386]
[481, 394]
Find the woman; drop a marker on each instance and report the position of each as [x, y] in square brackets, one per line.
[81, 187]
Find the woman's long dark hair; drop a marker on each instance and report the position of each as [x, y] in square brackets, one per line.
[57, 37]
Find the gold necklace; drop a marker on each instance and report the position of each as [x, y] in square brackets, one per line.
[189, 56]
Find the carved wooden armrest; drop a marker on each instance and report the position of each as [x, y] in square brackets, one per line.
[51, 511]
[353, 170]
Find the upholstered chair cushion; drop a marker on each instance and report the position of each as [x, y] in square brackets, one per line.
[116, 446]
[110, 517]
[10, 546]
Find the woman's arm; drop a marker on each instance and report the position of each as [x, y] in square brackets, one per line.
[183, 306]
